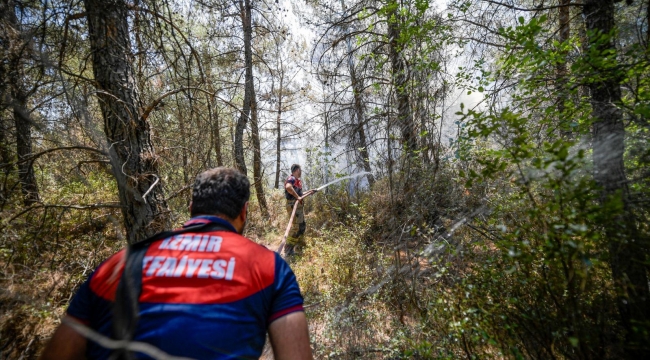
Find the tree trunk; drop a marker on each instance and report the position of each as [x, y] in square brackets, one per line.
[564, 15]
[627, 254]
[357, 88]
[183, 134]
[217, 138]
[400, 78]
[326, 121]
[421, 114]
[245, 14]
[132, 155]
[647, 22]
[26, 176]
[564, 33]
[213, 115]
[258, 177]
[278, 139]
[5, 155]
[5, 98]
[17, 49]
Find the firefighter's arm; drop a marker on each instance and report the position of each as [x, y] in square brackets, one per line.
[290, 337]
[308, 193]
[291, 191]
[65, 344]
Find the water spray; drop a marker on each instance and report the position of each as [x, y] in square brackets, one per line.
[343, 178]
[308, 193]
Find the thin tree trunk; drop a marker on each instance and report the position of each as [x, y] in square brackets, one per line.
[26, 176]
[217, 138]
[5, 160]
[326, 119]
[133, 158]
[400, 79]
[245, 14]
[564, 34]
[278, 122]
[357, 88]
[213, 114]
[17, 49]
[5, 155]
[647, 24]
[5, 98]
[183, 133]
[421, 114]
[626, 249]
[231, 129]
[436, 154]
[257, 160]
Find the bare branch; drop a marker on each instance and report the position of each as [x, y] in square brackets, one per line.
[64, 206]
[539, 8]
[144, 197]
[37, 155]
[178, 192]
[149, 109]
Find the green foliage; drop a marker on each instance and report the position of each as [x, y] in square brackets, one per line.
[537, 281]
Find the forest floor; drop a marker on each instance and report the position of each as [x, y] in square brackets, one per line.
[341, 280]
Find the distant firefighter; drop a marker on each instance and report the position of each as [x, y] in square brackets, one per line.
[293, 192]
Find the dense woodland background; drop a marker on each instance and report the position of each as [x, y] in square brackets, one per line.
[507, 211]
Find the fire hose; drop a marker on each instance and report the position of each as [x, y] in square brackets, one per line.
[293, 214]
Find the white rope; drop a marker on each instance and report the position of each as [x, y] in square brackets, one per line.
[108, 343]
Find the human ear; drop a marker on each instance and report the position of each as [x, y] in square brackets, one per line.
[244, 212]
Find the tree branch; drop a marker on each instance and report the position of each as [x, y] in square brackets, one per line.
[539, 8]
[178, 192]
[65, 34]
[64, 206]
[37, 155]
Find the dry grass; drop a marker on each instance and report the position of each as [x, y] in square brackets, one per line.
[45, 257]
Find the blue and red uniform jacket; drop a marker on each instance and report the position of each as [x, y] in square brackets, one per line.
[297, 186]
[205, 295]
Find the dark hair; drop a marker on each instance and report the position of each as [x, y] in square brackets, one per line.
[220, 191]
[294, 167]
